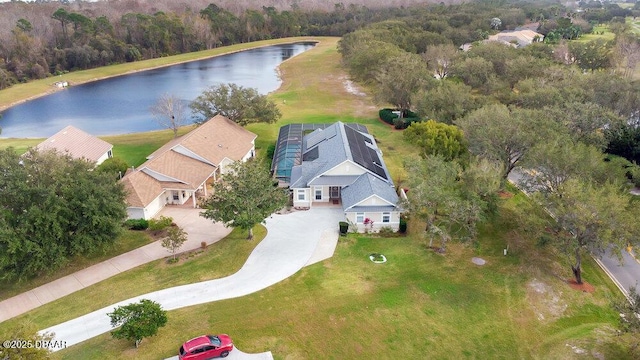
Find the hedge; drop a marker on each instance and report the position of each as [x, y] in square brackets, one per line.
[387, 115]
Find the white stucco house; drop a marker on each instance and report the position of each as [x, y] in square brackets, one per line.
[181, 169]
[337, 164]
[78, 144]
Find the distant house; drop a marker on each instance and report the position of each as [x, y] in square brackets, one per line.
[337, 164]
[516, 38]
[79, 145]
[181, 169]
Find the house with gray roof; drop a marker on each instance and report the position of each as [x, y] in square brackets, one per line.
[341, 165]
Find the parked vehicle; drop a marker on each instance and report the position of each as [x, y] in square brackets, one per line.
[206, 347]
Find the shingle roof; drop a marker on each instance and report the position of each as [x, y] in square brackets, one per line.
[214, 140]
[187, 161]
[366, 186]
[76, 143]
[335, 145]
[141, 189]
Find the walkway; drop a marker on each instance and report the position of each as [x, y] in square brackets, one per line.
[290, 244]
[198, 229]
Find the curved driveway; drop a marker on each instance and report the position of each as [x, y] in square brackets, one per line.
[290, 243]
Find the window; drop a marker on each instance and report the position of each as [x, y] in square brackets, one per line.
[301, 196]
[386, 217]
[109, 154]
[318, 193]
[359, 218]
[176, 195]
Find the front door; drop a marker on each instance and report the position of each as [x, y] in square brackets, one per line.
[334, 192]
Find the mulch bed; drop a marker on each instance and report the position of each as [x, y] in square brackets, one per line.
[584, 287]
[505, 194]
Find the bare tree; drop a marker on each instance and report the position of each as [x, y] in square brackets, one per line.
[170, 112]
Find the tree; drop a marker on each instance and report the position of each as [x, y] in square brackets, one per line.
[26, 332]
[175, 238]
[241, 105]
[53, 207]
[585, 121]
[446, 102]
[116, 167]
[137, 320]
[596, 217]
[629, 308]
[496, 23]
[551, 164]
[592, 55]
[170, 112]
[438, 139]
[440, 58]
[451, 201]
[502, 134]
[475, 72]
[245, 197]
[400, 78]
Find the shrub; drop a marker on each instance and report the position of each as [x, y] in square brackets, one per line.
[160, 224]
[115, 167]
[136, 224]
[386, 231]
[408, 117]
[403, 225]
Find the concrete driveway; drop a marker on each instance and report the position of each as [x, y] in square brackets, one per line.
[290, 244]
[198, 228]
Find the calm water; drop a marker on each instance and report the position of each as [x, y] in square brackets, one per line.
[121, 105]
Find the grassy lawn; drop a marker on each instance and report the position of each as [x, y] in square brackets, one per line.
[223, 258]
[128, 241]
[419, 304]
[596, 34]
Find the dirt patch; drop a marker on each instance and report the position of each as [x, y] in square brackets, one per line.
[505, 195]
[545, 301]
[584, 287]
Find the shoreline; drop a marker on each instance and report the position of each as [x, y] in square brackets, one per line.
[53, 90]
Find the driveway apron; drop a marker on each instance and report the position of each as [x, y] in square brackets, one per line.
[290, 243]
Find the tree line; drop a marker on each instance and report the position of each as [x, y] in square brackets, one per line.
[542, 116]
[40, 40]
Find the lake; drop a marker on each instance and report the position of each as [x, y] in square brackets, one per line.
[121, 104]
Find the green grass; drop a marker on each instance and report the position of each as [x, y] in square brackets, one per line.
[596, 34]
[417, 304]
[223, 258]
[128, 241]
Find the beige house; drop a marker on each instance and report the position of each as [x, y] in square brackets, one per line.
[180, 170]
[79, 145]
[516, 38]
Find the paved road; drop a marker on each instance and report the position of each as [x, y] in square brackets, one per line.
[290, 244]
[626, 274]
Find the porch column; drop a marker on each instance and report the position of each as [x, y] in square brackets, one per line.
[193, 197]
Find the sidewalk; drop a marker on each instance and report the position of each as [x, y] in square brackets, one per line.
[198, 229]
